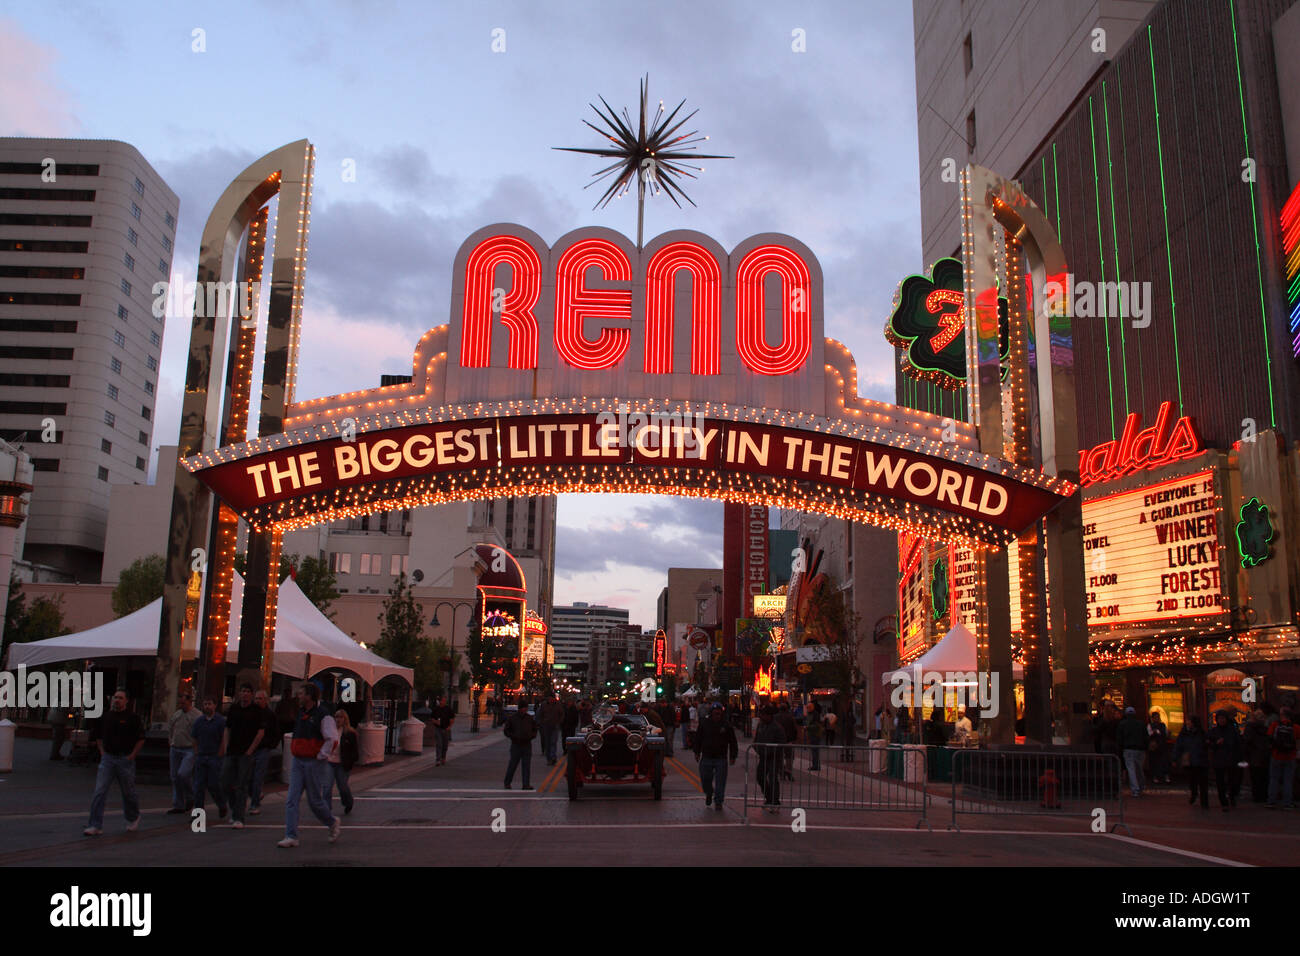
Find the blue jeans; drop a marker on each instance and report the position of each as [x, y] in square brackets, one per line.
[550, 737]
[519, 752]
[260, 761]
[207, 777]
[1133, 761]
[337, 775]
[1281, 776]
[122, 770]
[306, 774]
[713, 778]
[182, 771]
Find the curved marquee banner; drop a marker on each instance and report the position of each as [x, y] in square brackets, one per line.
[303, 478]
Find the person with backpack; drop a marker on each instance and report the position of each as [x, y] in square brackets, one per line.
[1192, 752]
[1281, 767]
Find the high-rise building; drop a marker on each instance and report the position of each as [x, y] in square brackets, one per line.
[573, 625]
[618, 659]
[87, 227]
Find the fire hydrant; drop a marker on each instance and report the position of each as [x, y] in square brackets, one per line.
[1049, 785]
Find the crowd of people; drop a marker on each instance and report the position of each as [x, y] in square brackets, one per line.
[1261, 749]
[227, 756]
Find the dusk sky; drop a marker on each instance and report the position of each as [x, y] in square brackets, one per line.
[448, 136]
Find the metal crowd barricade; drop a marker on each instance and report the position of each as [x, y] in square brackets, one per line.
[1037, 782]
[836, 778]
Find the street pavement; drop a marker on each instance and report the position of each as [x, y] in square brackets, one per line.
[410, 812]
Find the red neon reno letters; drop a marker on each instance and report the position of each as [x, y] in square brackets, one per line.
[610, 299]
[1135, 450]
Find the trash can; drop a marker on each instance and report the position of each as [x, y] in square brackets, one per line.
[877, 751]
[7, 730]
[914, 763]
[411, 738]
[370, 743]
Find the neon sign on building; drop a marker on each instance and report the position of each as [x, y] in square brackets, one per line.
[1135, 450]
[1291, 264]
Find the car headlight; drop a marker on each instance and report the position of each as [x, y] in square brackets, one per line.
[595, 741]
[635, 741]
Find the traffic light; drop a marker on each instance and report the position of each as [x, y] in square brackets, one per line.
[627, 668]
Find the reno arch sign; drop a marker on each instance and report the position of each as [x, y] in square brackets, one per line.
[591, 365]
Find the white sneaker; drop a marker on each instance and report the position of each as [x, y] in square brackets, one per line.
[92, 831]
[133, 825]
[287, 843]
[237, 825]
[335, 827]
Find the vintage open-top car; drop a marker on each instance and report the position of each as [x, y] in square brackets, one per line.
[616, 748]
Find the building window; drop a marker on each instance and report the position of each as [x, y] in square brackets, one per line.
[970, 133]
[162, 267]
[139, 188]
[170, 220]
[115, 364]
[132, 236]
[395, 565]
[151, 362]
[135, 211]
[144, 439]
[376, 564]
[167, 243]
[122, 313]
[365, 564]
[154, 339]
[145, 412]
[45, 464]
[139, 463]
[112, 392]
[967, 55]
[129, 261]
[106, 446]
[119, 339]
[110, 419]
[148, 387]
[345, 563]
[103, 473]
[126, 287]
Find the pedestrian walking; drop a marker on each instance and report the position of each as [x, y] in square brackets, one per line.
[715, 749]
[1225, 752]
[812, 736]
[692, 723]
[550, 716]
[520, 728]
[572, 715]
[1192, 752]
[769, 740]
[668, 714]
[315, 737]
[443, 717]
[1158, 749]
[262, 757]
[1132, 737]
[208, 732]
[245, 729]
[120, 735]
[341, 762]
[1259, 752]
[1281, 767]
[180, 744]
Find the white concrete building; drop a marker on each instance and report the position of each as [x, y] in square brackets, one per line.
[87, 227]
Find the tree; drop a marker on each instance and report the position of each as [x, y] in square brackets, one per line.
[401, 636]
[537, 678]
[43, 619]
[312, 574]
[141, 583]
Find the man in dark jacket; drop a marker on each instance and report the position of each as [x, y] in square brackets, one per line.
[120, 735]
[715, 741]
[767, 740]
[551, 714]
[1225, 751]
[521, 728]
[571, 718]
[1132, 736]
[1191, 744]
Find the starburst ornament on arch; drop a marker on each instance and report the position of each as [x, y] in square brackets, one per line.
[654, 153]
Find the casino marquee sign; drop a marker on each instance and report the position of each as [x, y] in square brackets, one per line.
[591, 366]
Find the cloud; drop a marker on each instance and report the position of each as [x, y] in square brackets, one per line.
[32, 102]
[653, 533]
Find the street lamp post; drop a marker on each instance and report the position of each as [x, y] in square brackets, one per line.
[451, 656]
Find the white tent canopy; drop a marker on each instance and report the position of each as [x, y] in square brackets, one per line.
[306, 641]
[956, 652]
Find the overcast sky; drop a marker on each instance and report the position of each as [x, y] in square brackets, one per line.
[448, 135]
